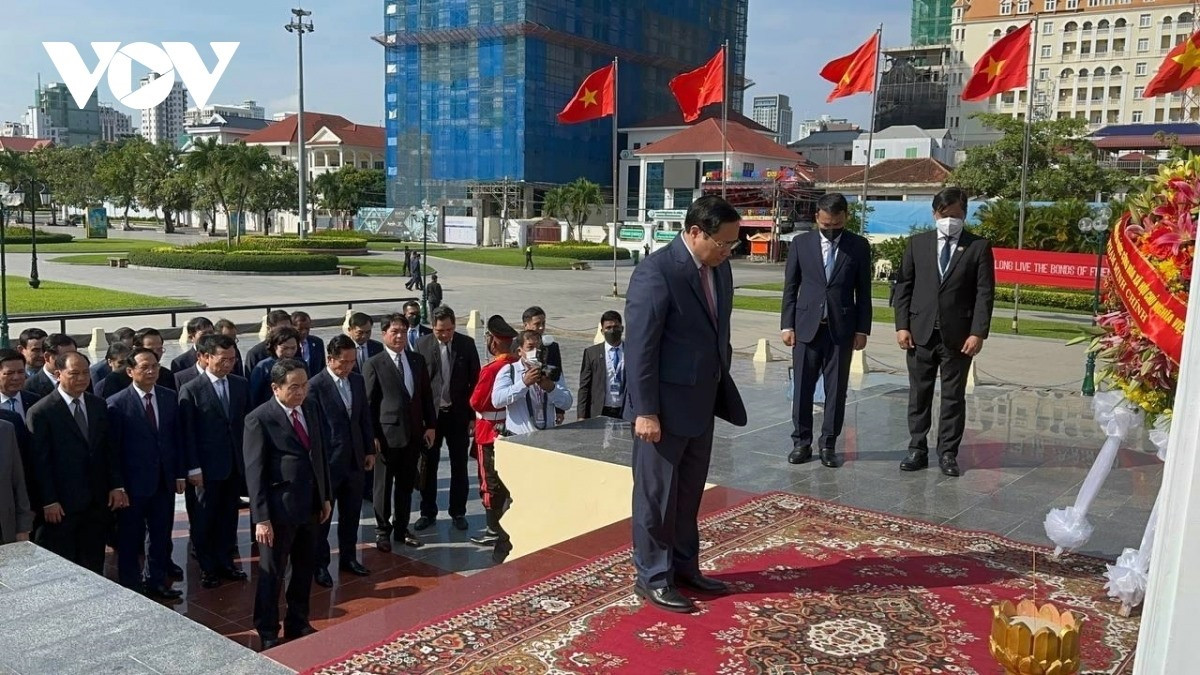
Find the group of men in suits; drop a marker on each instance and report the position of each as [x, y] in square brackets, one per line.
[943, 302]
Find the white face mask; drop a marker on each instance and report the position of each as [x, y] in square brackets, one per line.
[950, 227]
[531, 357]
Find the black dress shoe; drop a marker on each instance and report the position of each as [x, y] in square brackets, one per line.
[383, 542]
[232, 574]
[209, 580]
[411, 540]
[949, 465]
[306, 629]
[486, 539]
[829, 458]
[702, 583]
[354, 567]
[423, 523]
[460, 523]
[268, 642]
[163, 593]
[667, 597]
[800, 454]
[174, 571]
[321, 576]
[915, 461]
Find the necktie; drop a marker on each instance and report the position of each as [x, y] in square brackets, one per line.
[223, 394]
[300, 432]
[362, 356]
[12, 404]
[412, 338]
[150, 416]
[618, 371]
[944, 260]
[408, 385]
[344, 389]
[445, 374]
[706, 284]
[80, 418]
[830, 257]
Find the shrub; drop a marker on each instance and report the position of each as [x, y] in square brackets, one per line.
[238, 261]
[22, 235]
[282, 244]
[580, 251]
[357, 234]
[1040, 298]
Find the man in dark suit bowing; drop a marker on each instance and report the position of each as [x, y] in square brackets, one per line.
[145, 424]
[602, 375]
[359, 327]
[416, 331]
[196, 327]
[312, 348]
[76, 465]
[826, 317]
[453, 363]
[679, 302]
[342, 396]
[286, 444]
[45, 380]
[405, 421]
[944, 298]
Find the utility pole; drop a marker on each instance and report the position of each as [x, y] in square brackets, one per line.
[299, 27]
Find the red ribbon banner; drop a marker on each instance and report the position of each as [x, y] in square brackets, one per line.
[1156, 312]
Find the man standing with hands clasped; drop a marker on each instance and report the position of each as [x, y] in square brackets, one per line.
[944, 298]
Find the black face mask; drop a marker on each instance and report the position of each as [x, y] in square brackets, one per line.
[831, 233]
[414, 320]
[613, 335]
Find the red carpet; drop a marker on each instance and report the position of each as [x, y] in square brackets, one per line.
[819, 588]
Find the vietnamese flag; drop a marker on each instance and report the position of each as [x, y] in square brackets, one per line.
[853, 73]
[1180, 70]
[596, 98]
[1004, 66]
[700, 87]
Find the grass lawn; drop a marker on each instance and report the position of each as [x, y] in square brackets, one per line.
[509, 257]
[398, 246]
[54, 296]
[1000, 325]
[880, 292]
[89, 246]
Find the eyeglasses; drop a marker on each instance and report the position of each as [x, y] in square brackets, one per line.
[730, 246]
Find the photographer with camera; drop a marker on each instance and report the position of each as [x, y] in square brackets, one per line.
[530, 389]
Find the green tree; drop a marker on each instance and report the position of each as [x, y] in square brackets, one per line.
[274, 190]
[207, 162]
[70, 172]
[1052, 227]
[573, 202]
[15, 169]
[346, 190]
[155, 182]
[243, 166]
[119, 169]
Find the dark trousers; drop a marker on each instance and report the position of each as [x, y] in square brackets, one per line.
[346, 487]
[615, 413]
[455, 433]
[923, 364]
[294, 542]
[395, 476]
[79, 537]
[151, 515]
[495, 497]
[214, 512]
[823, 356]
[528, 261]
[668, 482]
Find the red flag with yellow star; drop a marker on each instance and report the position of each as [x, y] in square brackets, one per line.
[853, 73]
[697, 88]
[1180, 70]
[1004, 66]
[596, 98]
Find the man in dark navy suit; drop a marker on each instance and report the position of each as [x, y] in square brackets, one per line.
[145, 423]
[359, 329]
[342, 396]
[196, 327]
[416, 331]
[45, 380]
[677, 359]
[312, 348]
[826, 317]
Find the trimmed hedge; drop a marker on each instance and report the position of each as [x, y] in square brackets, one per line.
[238, 261]
[22, 235]
[579, 250]
[357, 234]
[282, 244]
[1056, 299]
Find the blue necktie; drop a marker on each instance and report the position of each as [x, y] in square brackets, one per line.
[412, 338]
[618, 373]
[944, 260]
[829, 259]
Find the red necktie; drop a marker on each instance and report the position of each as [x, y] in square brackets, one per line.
[150, 416]
[706, 284]
[300, 432]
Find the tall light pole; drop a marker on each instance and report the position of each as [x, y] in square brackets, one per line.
[299, 27]
[36, 198]
[7, 201]
[425, 213]
[1095, 231]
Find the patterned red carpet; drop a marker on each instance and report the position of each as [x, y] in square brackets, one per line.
[819, 588]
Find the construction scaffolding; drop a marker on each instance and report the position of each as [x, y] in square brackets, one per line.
[912, 89]
[931, 22]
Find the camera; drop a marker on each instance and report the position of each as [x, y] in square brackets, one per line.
[548, 370]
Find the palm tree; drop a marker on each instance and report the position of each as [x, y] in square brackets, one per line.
[206, 161]
[573, 202]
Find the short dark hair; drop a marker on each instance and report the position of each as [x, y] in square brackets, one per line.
[532, 313]
[442, 313]
[411, 304]
[282, 367]
[300, 315]
[31, 334]
[950, 196]
[139, 338]
[118, 351]
[833, 203]
[395, 317]
[131, 357]
[528, 334]
[223, 324]
[211, 343]
[11, 355]
[278, 316]
[198, 324]
[611, 315]
[339, 343]
[55, 341]
[123, 334]
[280, 335]
[710, 212]
[60, 360]
[433, 276]
[360, 320]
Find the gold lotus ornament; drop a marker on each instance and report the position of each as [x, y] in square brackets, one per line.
[1027, 640]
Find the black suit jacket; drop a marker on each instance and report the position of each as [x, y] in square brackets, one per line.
[288, 484]
[399, 419]
[184, 361]
[593, 381]
[71, 469]
[257, 353]
[184, 376]
[40, 384]
[351, 434]
[151, 456]
[961, 304]
[464, 372]
[166, 378]
[554, 356]
[213, 441]
[845, 297]
[316, 355]
[422, 331]
[113, 383]
[373, 347]
[24, 443]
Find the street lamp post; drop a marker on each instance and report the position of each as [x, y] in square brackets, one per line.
[299, 27]
[1095, 231]
[425, 213]
[38, 197]
[7, 201]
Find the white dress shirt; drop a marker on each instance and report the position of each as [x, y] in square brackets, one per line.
[405, 368]
[16, 406]
[141, 394]
[299, 413]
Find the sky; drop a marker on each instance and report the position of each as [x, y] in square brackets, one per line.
[788, 42]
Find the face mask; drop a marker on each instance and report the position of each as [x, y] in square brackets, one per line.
[950, 227]
[613, 335]
[830, 233]
[531, 357]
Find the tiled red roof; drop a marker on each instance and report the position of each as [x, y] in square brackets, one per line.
[360, 135]
[712, 111]
[922, 171]
[284, 131]
[705, 137]
[17, 144]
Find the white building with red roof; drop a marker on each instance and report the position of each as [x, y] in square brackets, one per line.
[331, 142]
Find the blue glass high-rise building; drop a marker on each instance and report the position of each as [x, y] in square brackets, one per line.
[473, 86]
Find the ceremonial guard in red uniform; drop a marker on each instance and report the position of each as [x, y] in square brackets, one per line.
[489, 425]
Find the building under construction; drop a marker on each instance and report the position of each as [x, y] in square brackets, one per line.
[913, 87]
[931, 22]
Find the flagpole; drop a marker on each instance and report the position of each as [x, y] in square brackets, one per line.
[724, 117]
[616, 177]
[871, 130]
[1025, 167]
